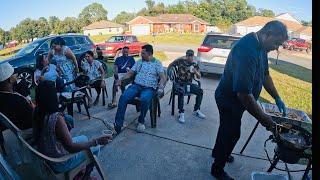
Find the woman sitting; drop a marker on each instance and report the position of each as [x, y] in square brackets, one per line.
[93, 69]
[52, 136]
[44, 70]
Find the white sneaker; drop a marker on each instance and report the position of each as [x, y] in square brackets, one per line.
[199, 114]
[181, 118]
[141, 128]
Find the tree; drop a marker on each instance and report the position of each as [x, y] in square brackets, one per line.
[124, 17]
[54, 22]
[150, 4]
[92, 13]
[2, 36]
[306, 23]
[69, 25]
[266, 12]
[42, 27]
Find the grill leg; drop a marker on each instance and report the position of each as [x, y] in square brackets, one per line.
[306, 172]
[274, 163]
[245, 145]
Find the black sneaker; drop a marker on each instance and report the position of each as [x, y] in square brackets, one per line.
[230, 158]
[219, 173]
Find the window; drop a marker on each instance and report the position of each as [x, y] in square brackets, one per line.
[196, 27]
[134, 39]
[70, 41]
[222, 42]
[45, 46]
[130, 39]
[116, 39]
[80, 40]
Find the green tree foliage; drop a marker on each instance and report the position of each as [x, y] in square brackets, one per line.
[2, 36]
[307, 23]
[54, 24]
[124, 17]
[92, 13]
[265, 12]
[42, 27]
[69, 25]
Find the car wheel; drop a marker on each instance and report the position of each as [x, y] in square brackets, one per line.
[308, 50]
[290, 48]
[27, 75]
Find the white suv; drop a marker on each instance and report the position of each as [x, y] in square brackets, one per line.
[214, 51]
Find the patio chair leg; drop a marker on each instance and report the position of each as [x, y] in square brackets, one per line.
[70, 109]
[188, 99]
[105, 90]
[172, 105]
[170, 98]
[86, 106]
[254, 130]
[103, 97]
[79, 107]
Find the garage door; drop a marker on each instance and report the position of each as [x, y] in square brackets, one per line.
[141, 29]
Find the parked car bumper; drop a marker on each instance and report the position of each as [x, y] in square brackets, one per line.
[212, 66]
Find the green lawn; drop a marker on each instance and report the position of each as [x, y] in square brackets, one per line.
[176, 38]
[294, 85]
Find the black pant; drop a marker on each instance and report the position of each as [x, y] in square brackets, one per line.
[228, 134]
[194, 89]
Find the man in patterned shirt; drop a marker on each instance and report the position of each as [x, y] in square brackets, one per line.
[187, 67]
[146, 73]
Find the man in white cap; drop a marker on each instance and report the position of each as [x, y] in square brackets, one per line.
[13, 105]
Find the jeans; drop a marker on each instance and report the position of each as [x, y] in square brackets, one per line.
[77, 159]
[69, 121]
[194, 89]
[228, 134]
[134, 90]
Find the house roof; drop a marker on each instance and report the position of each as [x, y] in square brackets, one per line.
[307, 30]
[261, 21]
[101, 25]
[173, 18]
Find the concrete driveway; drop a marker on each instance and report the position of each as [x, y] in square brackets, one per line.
[173, 150]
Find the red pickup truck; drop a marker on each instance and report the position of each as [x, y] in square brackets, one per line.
[297, 43]
[113, 46]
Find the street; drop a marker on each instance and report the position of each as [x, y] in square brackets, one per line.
[174, 51]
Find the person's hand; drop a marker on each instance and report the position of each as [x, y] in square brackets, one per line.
[103, 84]
[268, 123]
[44, 70]
[160, 93]
[281, 106]
[192, 69]
[103, 140]
[118, 82]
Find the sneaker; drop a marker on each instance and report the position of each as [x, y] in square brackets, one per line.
[199, 114]
[181, 118]
[219, 173]
[141, 127]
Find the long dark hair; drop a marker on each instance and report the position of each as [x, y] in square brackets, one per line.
[47, 103]
[58, 41]
[39, 60]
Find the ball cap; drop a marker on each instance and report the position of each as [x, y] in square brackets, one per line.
[6, 70]
[189, 52]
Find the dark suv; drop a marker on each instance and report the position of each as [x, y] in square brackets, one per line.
[24, 60]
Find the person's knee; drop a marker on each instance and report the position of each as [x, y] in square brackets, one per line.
[145, 100]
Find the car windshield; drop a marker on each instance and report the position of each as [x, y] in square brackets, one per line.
[28, 49]
[222, 42]
[116, 39]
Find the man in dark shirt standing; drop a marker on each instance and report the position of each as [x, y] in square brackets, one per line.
[120, 68]
[13, 105]
[245, 73]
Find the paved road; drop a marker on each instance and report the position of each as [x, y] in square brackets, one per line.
[173, 51]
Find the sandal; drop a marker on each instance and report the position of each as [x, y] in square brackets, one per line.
[111, 105]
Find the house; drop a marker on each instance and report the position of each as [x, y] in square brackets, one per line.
[304, 32]
[255, 23]
[103, 27]
[145, 25]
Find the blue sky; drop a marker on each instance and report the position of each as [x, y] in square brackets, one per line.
[13, 11]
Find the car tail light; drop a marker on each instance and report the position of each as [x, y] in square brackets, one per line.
[204, 49]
